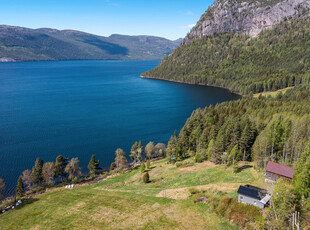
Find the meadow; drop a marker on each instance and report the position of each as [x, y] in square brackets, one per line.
[124, 202]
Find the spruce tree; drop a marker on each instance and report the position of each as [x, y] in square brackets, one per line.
[93, 165]
[20, 187]
[36, 174]
[60, 165]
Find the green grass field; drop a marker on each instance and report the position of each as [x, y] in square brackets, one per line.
[124, 202]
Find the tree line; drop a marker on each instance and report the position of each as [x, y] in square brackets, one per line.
[63, 170]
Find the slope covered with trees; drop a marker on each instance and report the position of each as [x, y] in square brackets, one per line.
[275, 59]
[254, 129]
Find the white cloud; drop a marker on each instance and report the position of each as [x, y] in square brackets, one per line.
[188, 26]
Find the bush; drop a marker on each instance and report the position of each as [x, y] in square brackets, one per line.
[198, 158]
[242, 213]
[223, 206]
[142, 167]
[7, 202]
[184, 164]
[148, 164]
[75, 180]
[146, 178]
[112, 166]
[236, 169]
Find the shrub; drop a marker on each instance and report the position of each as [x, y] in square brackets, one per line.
[112, 166]
[7, 202]
[236, 169]
[242, 213]
[198, 158]
[148, 164]
[146, 178]
[223, 205]
[142, 167]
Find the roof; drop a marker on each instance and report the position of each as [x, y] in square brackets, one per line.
[266, 199]
[279, 169]
[250, 191]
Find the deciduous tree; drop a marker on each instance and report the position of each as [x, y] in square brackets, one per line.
[49, 173]
[120, 159]
[73, 169]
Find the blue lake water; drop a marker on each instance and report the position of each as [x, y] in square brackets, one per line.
[79, 108]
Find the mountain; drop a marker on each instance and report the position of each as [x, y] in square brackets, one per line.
[23, 44]
[247, 46]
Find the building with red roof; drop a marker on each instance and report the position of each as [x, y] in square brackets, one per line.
[275, 171]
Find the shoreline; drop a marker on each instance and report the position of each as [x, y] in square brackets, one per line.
[181, 82]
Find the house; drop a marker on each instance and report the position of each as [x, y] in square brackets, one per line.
[275, 171]
[253, 195]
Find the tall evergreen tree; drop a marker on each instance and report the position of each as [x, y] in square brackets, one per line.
[93, 165]
[20, 187]
[36, 173]
[60, 165]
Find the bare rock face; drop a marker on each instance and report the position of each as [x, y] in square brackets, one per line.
[246, 16]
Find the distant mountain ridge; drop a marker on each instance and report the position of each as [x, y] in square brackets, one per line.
[24, 44]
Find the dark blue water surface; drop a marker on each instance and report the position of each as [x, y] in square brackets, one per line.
[79, 108]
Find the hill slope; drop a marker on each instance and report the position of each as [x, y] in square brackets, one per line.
[228, 49]
[125, 202]
[23, 44]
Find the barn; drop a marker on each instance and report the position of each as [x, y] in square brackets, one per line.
[275, 171]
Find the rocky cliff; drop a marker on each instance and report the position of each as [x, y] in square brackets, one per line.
[246, 16]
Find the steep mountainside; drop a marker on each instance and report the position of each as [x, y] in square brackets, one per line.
[247, 16]
[261, 46]
[23, 44]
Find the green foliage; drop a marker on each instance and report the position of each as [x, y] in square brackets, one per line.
[148, 164]
[283, 204]
[198, 158]
[142, 167]
[20, 187]
[276, 59]
[146, 178]
[112, 166]
[302, 174]
[60, 165]
[36, 173]
[93, 165]
[73, 169]
[136, 151]
[258, 129]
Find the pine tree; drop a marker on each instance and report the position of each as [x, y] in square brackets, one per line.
[93, 165]
[36, 173]
[20, 187]
[60, 165]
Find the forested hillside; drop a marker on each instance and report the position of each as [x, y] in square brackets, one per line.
[276, 59]
[24, 44]
[253, 129]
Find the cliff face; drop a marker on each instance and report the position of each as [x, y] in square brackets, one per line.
[246, 16]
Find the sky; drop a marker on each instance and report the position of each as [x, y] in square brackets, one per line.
[171, 19]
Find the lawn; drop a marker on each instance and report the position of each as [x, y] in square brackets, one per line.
[124, 202]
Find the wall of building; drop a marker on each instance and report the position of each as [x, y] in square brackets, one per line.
[250, 200]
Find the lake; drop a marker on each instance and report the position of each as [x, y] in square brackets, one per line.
[79, 108]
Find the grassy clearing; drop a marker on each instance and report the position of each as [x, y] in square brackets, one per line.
[272, 93]
[124, 202]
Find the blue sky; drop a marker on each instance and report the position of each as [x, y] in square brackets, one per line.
[166, 18]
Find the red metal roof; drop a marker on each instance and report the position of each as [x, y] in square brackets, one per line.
[279, 169]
